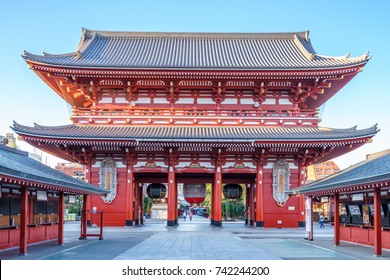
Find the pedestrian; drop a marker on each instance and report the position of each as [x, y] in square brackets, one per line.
[322, 220]
[190, 215]
[185, 215]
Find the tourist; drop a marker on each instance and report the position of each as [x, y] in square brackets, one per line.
[190, 215]
[184, 215]
[322, 220]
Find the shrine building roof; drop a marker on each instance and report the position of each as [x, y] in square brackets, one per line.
[169, 50]
[374, 171]
[17, 166]
[193, 133]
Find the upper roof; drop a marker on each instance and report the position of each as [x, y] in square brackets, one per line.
[152, 50]
[375, 169]
[16, 164]
[193, 133]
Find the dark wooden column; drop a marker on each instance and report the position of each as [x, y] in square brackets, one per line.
[259, 195]
[377, 222]
[129, 211]
[172, 192]
[336, 202]
[23, 221]
[86, 203]
[61, 208]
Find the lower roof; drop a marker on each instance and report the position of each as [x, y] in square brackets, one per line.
[375, 170]
[17, 166]
[193, 133]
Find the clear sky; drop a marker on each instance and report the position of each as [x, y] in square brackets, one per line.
[336, 28]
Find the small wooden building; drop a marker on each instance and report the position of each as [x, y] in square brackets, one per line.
[361, 198]
[32, 200]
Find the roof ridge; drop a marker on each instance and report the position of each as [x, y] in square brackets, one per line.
[88, 34]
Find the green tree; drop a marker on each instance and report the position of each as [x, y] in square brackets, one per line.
[147, 204]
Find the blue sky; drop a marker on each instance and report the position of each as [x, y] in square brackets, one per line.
[336, 28]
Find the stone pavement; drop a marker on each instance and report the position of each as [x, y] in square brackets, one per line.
[196, 240]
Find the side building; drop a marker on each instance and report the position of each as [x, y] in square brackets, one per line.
[32, 200]
[219, 108]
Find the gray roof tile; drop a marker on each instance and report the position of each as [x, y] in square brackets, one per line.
[194, 133]
[17, 165]
[137, 50]
[375, 169]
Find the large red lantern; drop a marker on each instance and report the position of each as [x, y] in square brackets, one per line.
[194, 193]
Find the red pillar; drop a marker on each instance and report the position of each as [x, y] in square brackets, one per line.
[259, 195]
[252, 204]
[377, 222]
[247, 203]
[141, 203]
[136, 204]
[61, 208]
[172, 192]
[217, 201]
[336, 202]
[23, 221]
[129, 212]
[212, 204]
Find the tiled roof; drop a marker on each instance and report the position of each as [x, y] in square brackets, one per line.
[142, 50]
[193, 133]
[375, 169]
[18, 165]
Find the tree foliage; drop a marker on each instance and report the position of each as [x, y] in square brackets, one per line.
[147, 204]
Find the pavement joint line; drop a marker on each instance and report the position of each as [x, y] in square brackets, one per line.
[325, 249]
[66, 250]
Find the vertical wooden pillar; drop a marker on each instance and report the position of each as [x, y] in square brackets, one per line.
[252, 205]
[330, 209]
[217, 206]
[30, 219]
[136, 204]
[259, 195]
[301, 199]
[129, 211]
[141, 203]
[172, 192]
[86, 202]
[247, 208]
[336, 202]
[23, 221]
[212, 204]
[61, 209]
[176, 204]
[377, 222]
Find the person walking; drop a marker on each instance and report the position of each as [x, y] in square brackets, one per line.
[190, 215]
[322, 220]
[185, 215]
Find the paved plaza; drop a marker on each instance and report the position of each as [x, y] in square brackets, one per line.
[196, 240]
